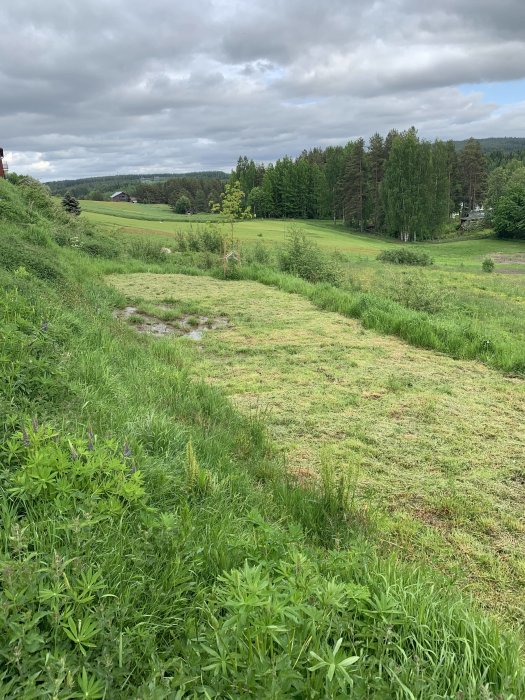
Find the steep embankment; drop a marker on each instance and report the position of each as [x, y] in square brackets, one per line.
[150, 545]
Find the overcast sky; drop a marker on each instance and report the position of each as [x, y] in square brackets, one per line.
[92, 87]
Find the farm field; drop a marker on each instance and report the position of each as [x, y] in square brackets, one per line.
[432, 447]
[158, 220]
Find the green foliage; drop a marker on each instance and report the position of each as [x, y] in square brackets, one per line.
[302, 257]
[148, 251]
[71, 205]
[473, 174]
[414, 291]
[509, 214]
[405, 256]
[16, 252]
[259, 254]
[182, 205]
[163, 553]
[488, 265]
[231, 204]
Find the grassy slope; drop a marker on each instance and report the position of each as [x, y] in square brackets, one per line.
[160, 220]
[433, 443]
[136, 565]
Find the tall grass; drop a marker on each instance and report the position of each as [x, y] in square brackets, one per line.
[460, 337]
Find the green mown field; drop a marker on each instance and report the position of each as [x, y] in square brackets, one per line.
[432, 447]
[158, 219]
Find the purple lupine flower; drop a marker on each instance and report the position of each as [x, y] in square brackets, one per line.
[126, 451]
[91, 437]
[45, 326]
[35, 424]
[74, 453]
[25, 437]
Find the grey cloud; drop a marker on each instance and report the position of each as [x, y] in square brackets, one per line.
[98, 87]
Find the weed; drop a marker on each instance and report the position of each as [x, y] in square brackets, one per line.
[405, 256]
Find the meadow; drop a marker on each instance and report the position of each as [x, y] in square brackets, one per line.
[432, 447]
[159, 220]
[299, 504]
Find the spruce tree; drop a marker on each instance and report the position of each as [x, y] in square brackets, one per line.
[376, 171]
[473, 174]
[71, 204]
[354, 186]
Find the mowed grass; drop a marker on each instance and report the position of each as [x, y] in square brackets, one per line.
[434, 446]
[159, 220]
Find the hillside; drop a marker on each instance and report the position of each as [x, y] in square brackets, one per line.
[107, 184]
[505, 144]
[155, 544]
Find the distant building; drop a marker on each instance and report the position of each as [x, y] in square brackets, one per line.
[473, 219]
[120, 197]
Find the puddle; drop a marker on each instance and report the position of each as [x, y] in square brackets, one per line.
[188, 326]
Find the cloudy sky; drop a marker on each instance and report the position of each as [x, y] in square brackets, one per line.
[92, 87]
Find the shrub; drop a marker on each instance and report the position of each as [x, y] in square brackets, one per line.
[100, 246]
[146, 251]
[259, 254]
[412, 291]
[303, 258]
[488, 265]
[404, 256]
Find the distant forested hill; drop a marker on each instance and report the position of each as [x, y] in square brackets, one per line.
[107, 184]
[505, 144]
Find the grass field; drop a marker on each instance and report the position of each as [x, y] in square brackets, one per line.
[159, 220]
[265, 511]
[432, 446]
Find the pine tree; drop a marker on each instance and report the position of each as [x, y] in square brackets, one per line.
[376, 171]
[354, 186]
[473, 174]
[71, 204]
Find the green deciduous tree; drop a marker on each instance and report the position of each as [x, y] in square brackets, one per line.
[406, 189]
[509, 213]
[231, 205]
[182, 205]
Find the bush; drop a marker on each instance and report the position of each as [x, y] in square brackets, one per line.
[404, 256]
[488, 265]
[303, 258]
[259, 254]
[146, 251]
[203, 240]
[413, 291]
[100, 246]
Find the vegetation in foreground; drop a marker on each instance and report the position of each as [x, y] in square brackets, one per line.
[150, 545]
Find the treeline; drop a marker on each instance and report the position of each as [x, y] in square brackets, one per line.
[399, 184]
[103, 187]
[183, 194]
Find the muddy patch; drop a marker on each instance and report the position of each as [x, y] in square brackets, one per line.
[188, 325]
